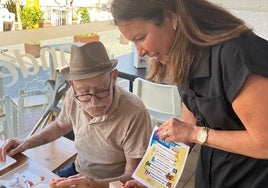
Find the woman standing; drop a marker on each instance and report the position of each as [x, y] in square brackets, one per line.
[221, 69]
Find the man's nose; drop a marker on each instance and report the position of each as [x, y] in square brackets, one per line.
[94, 99]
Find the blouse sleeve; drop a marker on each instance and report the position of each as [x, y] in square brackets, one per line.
[241, 57]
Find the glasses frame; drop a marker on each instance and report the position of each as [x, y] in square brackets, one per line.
[76, 97]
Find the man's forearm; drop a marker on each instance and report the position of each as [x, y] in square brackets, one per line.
[50, 133]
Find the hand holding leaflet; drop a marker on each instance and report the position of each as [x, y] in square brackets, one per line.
[162, 164]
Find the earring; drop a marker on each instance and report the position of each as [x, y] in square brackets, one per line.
[174, 27]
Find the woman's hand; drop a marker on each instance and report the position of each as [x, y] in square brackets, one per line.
[133, 184]
[177, 131]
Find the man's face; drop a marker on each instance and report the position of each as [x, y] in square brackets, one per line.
[95, 95]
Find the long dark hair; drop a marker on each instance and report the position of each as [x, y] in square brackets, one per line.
[200, 24]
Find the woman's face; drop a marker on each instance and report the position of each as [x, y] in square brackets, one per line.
[150, 39]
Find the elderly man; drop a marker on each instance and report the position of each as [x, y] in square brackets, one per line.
[111, 126]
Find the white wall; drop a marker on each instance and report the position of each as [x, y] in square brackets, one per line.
[253, 12]
[256, 5]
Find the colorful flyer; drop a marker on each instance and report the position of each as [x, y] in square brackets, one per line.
[162, 164]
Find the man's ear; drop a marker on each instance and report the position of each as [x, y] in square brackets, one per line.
[115, 74]
[71, 83]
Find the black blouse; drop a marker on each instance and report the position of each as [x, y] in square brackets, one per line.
[218, 78]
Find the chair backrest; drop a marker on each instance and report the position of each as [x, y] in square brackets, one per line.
[57, 89]
[162, 101]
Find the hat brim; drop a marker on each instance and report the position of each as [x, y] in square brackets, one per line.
[65, 72]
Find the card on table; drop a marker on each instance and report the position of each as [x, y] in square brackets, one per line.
[9, 161]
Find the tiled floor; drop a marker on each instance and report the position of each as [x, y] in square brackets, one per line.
[31, 117]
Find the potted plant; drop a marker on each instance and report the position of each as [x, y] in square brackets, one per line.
[13, 6]
[84, 15]
[86, 38]
[33, 48]
[85, 18]
[31, 18]
[10, 7]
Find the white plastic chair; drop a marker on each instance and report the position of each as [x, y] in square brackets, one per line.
[6, 118]
[162, 101]
[30, 104]
[58, 89]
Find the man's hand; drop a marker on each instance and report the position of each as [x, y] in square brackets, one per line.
[11, 147]
[77, 181]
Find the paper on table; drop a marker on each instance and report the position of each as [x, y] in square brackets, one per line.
[9, 161]
[29, 172]
[162, 164]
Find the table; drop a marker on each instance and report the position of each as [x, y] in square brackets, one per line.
[21, 159]
[52, 156]
[125, 63]
[126, 69]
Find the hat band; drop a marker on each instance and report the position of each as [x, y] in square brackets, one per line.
[87, 70]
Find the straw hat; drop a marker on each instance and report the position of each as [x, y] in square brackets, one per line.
[88, 61]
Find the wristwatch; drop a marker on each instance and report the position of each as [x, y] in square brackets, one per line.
[202, 135]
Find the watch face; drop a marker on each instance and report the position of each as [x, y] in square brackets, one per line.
[202, 136]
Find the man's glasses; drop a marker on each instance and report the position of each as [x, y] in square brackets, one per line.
[99, 94]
